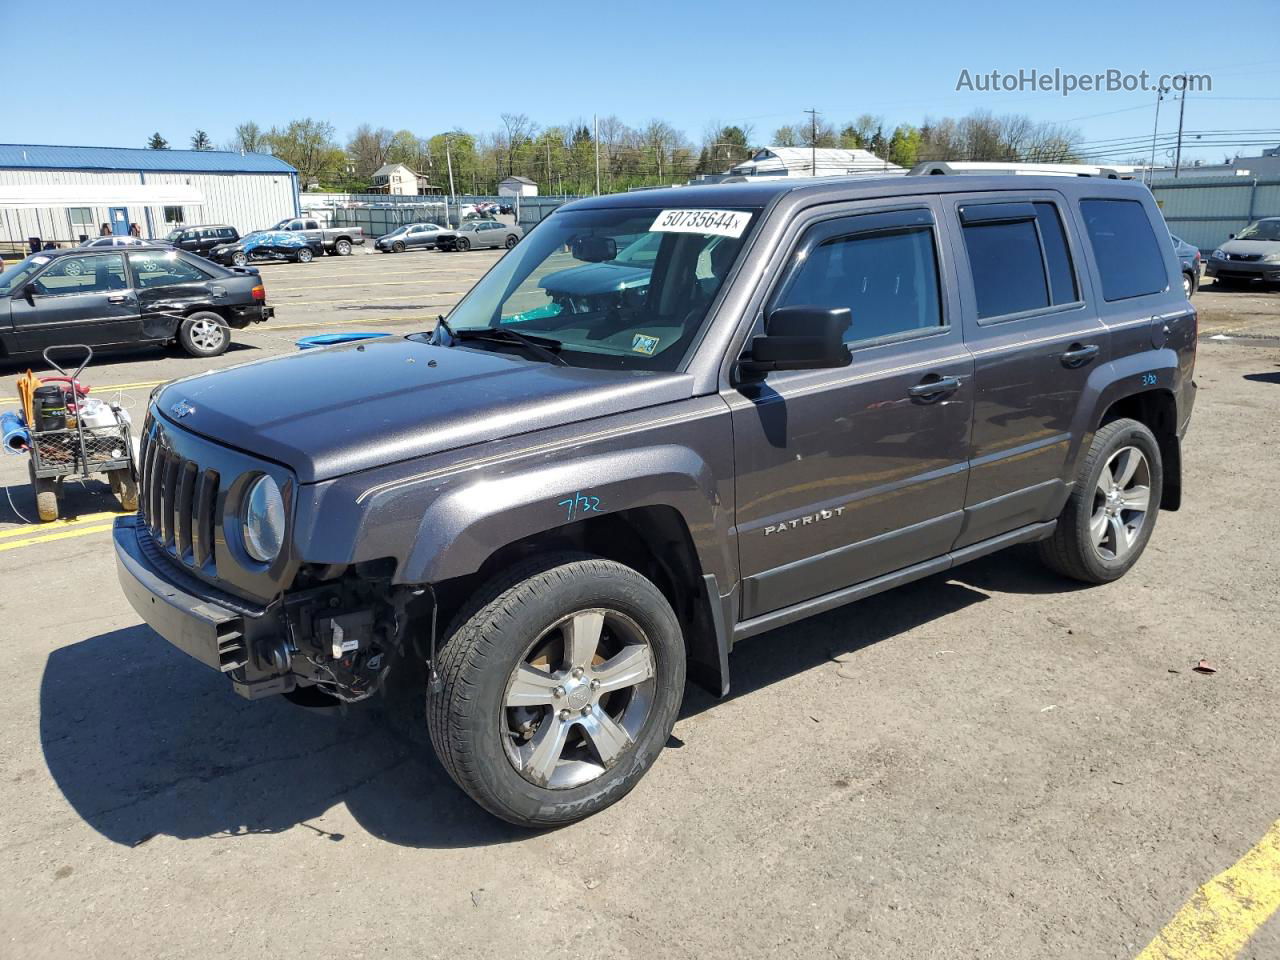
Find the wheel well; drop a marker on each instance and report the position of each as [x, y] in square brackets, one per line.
[1158, 411]
[654, 541]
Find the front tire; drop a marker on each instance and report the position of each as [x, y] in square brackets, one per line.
[398, 247]
[1112, 510]
[462, 244]
[45, 491]
[304, 255]
[204, 334]
[239, 260]
[511, 242]
[561, 683]
[125, 488]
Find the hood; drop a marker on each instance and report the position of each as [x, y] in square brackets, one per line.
[329, 412]
[1261, 248]
[595, 279]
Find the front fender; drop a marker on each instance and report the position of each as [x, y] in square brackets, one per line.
[467, 524]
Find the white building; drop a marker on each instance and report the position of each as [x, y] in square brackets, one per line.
[396, 178]
[60, 194]
[807, 162]
[514, 186]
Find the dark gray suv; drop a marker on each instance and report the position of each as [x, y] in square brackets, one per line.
[523, 529]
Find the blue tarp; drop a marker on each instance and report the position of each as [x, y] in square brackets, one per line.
[13, 433]
[329, 339]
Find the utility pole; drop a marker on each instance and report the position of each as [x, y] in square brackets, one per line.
[813, 142]
[448, 156]
[1177, 157]
[1151, 168]
[595, 139]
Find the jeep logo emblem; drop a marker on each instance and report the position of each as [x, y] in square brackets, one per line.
[182, 409]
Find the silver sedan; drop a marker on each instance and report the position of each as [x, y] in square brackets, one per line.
[480, 233]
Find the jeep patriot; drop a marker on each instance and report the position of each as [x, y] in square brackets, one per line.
[665, 422]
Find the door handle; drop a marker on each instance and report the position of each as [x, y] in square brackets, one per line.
[934, 387]
[1078, 354]
[118, 298]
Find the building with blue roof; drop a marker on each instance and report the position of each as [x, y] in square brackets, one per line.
[62, 194]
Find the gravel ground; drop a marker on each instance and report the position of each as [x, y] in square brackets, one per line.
[993, 763]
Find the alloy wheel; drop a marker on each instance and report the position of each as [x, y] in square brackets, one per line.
[578, 698]
[1120, 503]
[207, 335]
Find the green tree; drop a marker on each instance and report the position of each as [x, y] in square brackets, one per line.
[310, 148]
[157, 142]
[200, 141]
[248, 139]
[904, 145]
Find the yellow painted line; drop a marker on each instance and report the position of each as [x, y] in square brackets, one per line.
[48, 537]
[1217, 922]
[317, 303]
[340, 286]
[88, 518]
[102, 390]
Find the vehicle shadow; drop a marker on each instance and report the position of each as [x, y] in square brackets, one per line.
[106, 357]
[143, 741]
[1273, 377]
[79, 498]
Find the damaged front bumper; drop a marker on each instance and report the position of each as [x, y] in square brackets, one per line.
[337, 636]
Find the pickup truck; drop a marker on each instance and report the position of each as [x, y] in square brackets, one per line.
[525, 528]
[334, 240]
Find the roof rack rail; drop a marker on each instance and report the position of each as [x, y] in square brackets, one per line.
[956, 167]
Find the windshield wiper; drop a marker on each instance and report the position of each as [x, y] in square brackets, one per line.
[544, 347]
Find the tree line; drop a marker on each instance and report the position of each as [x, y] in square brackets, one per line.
[562, 158]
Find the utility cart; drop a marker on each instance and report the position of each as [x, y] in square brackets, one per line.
[94, 438]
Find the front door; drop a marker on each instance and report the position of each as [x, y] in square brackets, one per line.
[119, 221]
[846, 475]
[79, 299]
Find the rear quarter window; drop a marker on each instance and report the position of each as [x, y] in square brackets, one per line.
[1128, 255]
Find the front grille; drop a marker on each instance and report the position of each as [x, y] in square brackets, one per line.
[178, 501]
[1247, 257]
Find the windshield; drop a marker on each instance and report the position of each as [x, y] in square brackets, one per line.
[174, 235]
[13, 279]
[620, 288]
[397, 231]
[1261, 230]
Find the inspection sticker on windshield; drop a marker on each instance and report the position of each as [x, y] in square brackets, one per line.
[723, 223]
[643, 343]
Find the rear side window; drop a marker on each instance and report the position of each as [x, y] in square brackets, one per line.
[888, 279]
[1125, 247]
[1018, 257]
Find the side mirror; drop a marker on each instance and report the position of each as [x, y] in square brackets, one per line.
[1231, 236]
[800, 338]
[29, 293]
[594, 249]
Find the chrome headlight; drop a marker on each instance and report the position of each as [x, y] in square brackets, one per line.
[1271, 258]
[1218, 254]
[264, 520]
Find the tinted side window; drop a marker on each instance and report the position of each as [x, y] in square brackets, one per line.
[1126, 249]
[1062, 277]
[162, 269]
[96, 274]
[888, 279]
[1008, 272]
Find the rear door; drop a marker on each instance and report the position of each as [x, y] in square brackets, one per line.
[78, 299]
[845, 475]
[1035, 338]
[168, 286]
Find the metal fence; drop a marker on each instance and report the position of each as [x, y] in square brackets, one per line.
[1204, 211]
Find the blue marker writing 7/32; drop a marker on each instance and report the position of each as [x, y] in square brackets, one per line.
[580, 503]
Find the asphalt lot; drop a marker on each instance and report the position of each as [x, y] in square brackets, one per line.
[993, 763]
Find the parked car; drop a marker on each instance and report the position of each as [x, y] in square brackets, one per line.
[529, 533]
[267, 245]
[409, 237]
[114, 241]
[479, 233]
[1189, 260]
[1252, 254]
[136, 295]
[336, 240]
[202, 239]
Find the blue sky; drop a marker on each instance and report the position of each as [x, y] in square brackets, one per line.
[178, 66]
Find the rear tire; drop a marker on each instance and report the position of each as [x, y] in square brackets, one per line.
[1188, 285]
[600, 634]
[204, 334]
[1113, 506]
[45, 492]
[342, 248]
